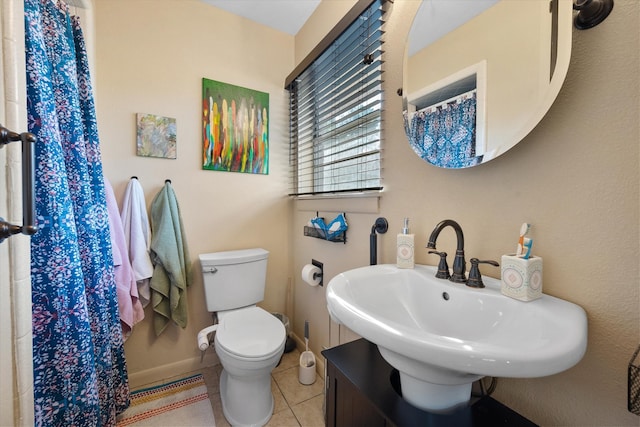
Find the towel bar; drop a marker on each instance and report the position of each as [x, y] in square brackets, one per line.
[29, 226]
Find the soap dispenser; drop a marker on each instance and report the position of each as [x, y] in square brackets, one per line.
[405, 256]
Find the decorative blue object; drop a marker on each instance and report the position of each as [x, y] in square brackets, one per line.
[335, 231]
[445, 135]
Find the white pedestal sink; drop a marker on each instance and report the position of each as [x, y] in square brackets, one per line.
[443, 336]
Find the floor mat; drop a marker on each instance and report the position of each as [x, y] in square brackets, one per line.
[183, 402]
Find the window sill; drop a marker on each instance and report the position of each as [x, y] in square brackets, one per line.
[365, 202]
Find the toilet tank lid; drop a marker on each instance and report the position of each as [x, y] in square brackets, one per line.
[233, 257]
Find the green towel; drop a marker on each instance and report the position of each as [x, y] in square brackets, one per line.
[170, 257]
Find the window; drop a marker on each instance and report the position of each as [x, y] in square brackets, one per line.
[335, 106]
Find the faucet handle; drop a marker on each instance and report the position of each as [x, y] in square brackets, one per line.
[443, 267]
[475, 278]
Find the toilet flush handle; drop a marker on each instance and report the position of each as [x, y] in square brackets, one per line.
[210, 270]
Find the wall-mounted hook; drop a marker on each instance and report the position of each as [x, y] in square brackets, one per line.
[591, 12]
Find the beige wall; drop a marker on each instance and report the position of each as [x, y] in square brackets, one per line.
[151, 58]
[575, 178]
[324, 18]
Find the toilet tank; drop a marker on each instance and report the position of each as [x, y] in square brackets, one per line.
[234, 279]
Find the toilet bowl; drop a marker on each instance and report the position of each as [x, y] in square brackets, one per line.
[249, 343]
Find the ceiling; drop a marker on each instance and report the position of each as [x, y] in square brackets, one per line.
[438, 17]
[284, 15]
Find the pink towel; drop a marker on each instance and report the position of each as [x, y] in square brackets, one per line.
[137, 234]
[130, 308]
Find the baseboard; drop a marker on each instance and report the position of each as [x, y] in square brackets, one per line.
[165, 373]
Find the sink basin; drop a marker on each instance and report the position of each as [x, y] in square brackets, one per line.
[443, 336]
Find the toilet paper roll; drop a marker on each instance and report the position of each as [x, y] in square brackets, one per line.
[311, 274]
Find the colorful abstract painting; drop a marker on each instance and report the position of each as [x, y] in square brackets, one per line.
[235, 128]
[156, 136]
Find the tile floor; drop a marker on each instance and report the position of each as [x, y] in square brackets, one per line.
[296, 405]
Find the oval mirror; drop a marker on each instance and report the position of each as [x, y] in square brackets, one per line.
[479, 75]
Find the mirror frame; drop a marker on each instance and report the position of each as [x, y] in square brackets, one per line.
[560, 59]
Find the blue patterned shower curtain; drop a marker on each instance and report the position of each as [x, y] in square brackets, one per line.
[445, 135]
[80, 375]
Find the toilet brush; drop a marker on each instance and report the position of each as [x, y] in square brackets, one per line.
[307, 368]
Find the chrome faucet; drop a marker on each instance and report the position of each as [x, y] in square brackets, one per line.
[459, 264]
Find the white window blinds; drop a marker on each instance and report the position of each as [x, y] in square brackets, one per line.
[335, 112]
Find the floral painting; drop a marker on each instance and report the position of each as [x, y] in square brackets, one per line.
[156, 136]
[235, 128]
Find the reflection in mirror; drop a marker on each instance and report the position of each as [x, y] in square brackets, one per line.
[476, 81]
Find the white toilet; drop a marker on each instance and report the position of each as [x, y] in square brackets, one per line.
[249, 341]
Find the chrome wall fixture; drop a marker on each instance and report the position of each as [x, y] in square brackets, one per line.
[591, 12]
[28, 226]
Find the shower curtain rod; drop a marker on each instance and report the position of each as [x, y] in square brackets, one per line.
[83, 4]
[460, 97]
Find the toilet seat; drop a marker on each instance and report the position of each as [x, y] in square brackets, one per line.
[250, 333]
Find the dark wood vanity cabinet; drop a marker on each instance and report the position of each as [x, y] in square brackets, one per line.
[361, 392]
[346, 406]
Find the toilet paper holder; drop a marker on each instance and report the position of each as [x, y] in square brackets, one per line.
[321, 267]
